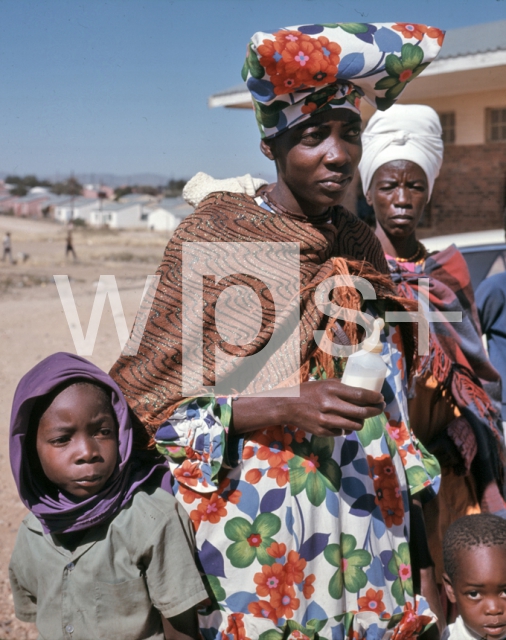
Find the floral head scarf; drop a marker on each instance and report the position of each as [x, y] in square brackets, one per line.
[299, 71]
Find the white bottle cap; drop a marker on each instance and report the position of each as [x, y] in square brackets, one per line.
[373, 343]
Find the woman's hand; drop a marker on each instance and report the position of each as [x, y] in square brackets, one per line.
[323, 408]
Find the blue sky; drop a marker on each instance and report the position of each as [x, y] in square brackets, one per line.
[121, 86]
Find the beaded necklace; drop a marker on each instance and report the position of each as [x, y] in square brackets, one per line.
[419, 255]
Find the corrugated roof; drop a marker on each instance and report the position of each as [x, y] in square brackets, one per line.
[109, 205]
[478, 38]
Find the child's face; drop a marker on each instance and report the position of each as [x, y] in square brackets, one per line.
[479, 589]
[76, 441]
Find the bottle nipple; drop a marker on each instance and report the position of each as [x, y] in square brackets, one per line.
[373, 343]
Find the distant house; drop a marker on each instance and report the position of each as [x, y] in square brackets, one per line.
[31, 205]
[7, 202]
[117, 215]
[78, 208]
[167, 214]
[466, 85]
[51, 203]
[97, 191]
[142, 198]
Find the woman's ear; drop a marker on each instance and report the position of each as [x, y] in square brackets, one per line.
[368, 198]
[266, 147]
[449, 588]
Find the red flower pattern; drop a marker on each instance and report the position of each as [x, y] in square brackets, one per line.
[254, 540]
[433, 32]
[310, 464]
[253, 476]
[211, 510]
[411, 624]
[294, 60]
[280, 474]
[398, 431]
[263, 609]
[410, 29]
[188, 473]
[388, 491]
[236, 627]
[272, 446]
[189, 496]
[294, 568]
[372, 601]
[308, 588]
[277, 549]
[269, 579]
[284, 601]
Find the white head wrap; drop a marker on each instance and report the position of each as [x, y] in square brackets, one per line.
[403, 132]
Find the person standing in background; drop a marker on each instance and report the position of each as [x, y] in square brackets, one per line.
[70, 244]
[7, 245]
[449, 407]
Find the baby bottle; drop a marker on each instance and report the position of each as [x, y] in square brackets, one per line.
[366, 368]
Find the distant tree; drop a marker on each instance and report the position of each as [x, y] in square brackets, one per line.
[148, 190]
[11, 179]
[175, 187]
[69, 187]
[30, 181]
[119, 192]
[18, 190]
[23, 185]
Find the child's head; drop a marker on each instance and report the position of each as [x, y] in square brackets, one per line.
[75, 437]
[474, 551]
[70, 425]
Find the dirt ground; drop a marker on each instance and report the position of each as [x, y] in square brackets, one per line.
[33, 326]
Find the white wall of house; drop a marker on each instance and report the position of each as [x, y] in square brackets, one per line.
[118, 217]
[162, 220]
[79, 210]
[469, 108]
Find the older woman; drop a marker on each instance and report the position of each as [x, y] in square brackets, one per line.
[299, 495]
[449, 409]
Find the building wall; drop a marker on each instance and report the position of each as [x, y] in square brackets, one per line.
[469, 109]
[470, 193]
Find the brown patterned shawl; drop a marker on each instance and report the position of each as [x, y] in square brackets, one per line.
[151, 380]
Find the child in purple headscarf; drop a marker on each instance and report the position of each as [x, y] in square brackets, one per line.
[106, 551]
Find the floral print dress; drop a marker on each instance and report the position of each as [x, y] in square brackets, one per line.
[302, 536]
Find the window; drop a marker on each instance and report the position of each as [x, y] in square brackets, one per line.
[448, 126]
[496, 125]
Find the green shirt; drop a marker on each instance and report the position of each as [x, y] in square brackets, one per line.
[119, 579]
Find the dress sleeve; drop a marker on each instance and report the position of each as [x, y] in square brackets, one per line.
[197, 444]
[25, 602]
[422, 468]
[172, 577]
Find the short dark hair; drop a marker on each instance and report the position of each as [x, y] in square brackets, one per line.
[479, 530]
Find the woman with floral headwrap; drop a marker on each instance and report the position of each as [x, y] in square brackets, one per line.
[449, 409]
[298, 494]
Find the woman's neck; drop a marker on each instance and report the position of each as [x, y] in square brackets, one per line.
[397, 247]
[282, 195]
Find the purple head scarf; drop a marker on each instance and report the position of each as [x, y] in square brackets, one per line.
[64, 514]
